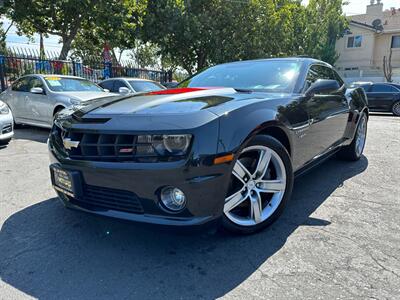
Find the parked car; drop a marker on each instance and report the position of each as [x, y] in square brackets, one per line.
[126, 85]
[6, 124]
[225, 145]
[383, 97]
[170, 85]
[35, 99]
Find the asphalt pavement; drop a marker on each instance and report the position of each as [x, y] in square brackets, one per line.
[339, 238]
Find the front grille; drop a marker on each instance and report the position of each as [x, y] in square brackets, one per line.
[6, 129]
[95, 198]
[108, 147]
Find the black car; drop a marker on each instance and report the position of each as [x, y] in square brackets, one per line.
[384, 97]
[224, 146]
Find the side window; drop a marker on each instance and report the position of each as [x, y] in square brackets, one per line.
[318, 72]
[117, 85]
[35, 82]
[21, 85]
[338, 78]
[107, 85]
[382, 88]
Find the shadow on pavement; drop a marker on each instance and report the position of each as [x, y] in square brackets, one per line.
[49, 252]
[36, 134]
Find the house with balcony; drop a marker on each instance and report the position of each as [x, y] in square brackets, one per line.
[371, 37]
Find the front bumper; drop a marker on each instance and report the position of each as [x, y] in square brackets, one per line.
[6, 127]
[204, 185]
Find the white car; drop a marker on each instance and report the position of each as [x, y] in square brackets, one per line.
[6, 124]
[35, 99]
[127, 85]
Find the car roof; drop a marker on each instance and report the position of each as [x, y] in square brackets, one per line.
[129, 78]
[307, 60]
[54, 75]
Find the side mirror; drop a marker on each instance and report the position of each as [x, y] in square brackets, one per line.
[124, 90]
[323, 86]
[106, 90]
[36, 90]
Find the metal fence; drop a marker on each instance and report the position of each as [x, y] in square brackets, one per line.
[14, 65]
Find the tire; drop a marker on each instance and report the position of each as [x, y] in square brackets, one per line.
[353, 152]
[57, 110]
[5, 142]
[261, 184]
[396, 108]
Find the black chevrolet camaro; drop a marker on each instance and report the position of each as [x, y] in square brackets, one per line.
[224, 146]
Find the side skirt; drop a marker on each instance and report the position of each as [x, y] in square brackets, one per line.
[315, 162]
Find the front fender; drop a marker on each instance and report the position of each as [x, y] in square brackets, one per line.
[358, 104]
[238, 126]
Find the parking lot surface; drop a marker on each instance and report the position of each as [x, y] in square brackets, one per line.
[339, 238]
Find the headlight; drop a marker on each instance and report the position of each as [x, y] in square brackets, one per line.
[4, 110]
[175, 145]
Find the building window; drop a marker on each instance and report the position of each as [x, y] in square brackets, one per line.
[396, 41]
[354, 41]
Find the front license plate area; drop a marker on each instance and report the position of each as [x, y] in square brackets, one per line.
[65, 181]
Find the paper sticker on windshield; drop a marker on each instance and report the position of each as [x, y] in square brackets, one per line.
[54, 82]
[53, 78]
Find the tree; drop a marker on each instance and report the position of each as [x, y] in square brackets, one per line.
[68, 18]
[63, 18]
[115, 23]
[325, 25]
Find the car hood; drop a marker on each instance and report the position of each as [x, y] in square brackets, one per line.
[85, 96]
[175, 101]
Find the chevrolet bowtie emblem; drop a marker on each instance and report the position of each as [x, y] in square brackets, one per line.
[69, 144]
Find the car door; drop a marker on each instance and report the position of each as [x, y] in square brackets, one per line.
[17, 98]
[39, 105]
[381, 96]
[328, 113]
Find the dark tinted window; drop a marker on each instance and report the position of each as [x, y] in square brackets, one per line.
[382, 88]
[338, 78]
[366, 87]
[21, 85]
[145, 86]
[117, 85]
[318, 72]
[107, 84]
[264, 75]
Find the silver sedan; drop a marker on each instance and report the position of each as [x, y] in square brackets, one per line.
[6, 124]
[35, 99]
[127, 85]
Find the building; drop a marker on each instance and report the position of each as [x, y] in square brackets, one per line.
[371, 37]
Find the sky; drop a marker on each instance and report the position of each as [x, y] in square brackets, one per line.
[51, 44]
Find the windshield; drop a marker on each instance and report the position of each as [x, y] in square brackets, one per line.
[61, 84]
[266, 76]
[145, 86]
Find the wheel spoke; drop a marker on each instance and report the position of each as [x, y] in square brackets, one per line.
[256, 207]
[271, 186]
[234, 200]
[262, 165]
[240, 171]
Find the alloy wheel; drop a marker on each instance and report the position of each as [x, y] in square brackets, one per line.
[258, 184]
[396, 109]
[361, 135]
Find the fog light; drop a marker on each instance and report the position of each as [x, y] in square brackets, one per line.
[173, 198]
